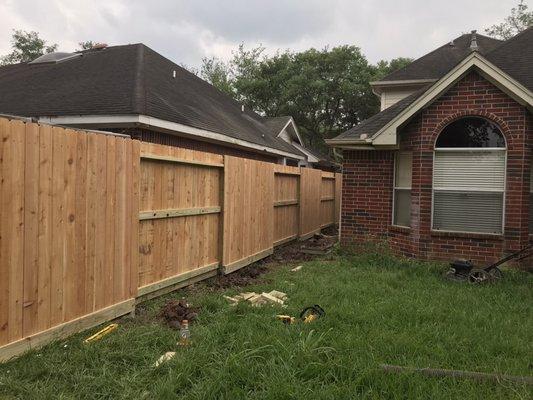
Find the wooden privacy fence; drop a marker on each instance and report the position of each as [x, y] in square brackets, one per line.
[68, 231]
[90, 222]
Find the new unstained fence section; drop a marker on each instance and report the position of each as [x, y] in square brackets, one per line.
[68, 231]
[89, 222]
[180, 215]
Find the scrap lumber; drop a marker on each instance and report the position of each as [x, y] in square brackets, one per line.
[259, 299]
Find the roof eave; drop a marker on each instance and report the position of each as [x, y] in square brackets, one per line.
[378, 86]
[350, 144]
[387, 134]
[167, 126]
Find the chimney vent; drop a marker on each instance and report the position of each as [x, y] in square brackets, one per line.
[473, 42]
[174, 73]
[242, 107]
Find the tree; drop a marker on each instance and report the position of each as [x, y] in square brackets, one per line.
[384, 68]
[217, 73]
[326, 91]
[519, 20]
[87, 45]
[27, 46]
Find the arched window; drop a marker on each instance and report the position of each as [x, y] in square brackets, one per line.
[469, 177]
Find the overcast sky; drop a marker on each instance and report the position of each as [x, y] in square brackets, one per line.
[186, 31]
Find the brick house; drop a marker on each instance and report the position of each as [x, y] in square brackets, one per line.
[443, 170]
[133, 90]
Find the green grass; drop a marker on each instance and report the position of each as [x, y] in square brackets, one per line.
[379, 310]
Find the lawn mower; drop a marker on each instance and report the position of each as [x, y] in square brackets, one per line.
[464, 270]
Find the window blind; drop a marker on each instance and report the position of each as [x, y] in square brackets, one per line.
[468, 191]
[402, 189]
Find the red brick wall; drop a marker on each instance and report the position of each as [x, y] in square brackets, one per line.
[473, 95]
[366, 195]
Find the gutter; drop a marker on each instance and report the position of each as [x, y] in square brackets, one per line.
[405, 82]
[378, 86]
[167, 126]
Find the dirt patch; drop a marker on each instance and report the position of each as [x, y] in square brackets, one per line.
[319, 244]
[243, 277]
[330, 231]
[175, 311]
[288, 254]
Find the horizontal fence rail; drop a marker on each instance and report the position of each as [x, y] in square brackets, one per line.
[91, 223]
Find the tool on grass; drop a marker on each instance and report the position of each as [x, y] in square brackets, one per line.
[308, 314]
[312, 313]
[462, 270]
[286, 319]
[101, 333]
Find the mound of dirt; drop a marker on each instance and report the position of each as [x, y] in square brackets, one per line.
[175, 311]
[243, 277]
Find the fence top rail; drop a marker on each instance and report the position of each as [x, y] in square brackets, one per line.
[85, 130]
[156, 157]
[286, 173]
[286, 170]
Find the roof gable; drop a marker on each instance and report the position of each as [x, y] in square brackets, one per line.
[438, 62]
[381, 129]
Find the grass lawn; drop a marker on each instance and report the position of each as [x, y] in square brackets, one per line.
[379, 310]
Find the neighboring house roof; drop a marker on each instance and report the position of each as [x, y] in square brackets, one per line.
[276, 124]
[506, 66]
[437, 63]
[372, 125]
[129, 80]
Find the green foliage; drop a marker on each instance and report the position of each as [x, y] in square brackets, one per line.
[87, 45]
[383, 67]
[379, 309]
[27, 46]
[326, 91]
[519, 20]
[217, 73]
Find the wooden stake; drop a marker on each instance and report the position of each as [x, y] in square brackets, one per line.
[452, 373]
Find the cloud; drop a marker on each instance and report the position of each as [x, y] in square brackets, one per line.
[186, 30]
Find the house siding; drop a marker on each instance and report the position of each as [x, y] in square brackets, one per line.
[368, 180]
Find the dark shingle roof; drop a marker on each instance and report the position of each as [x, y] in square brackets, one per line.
[515, 57]
[372, 125]
[126, 80]
[276, 124]
[437, 63]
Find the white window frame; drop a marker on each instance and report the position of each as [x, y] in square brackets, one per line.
[472, 150]
[530, 222]
[394, 187]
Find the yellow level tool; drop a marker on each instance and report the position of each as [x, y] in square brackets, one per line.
[101, 333]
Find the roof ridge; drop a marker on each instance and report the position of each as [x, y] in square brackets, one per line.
[139, 87]
[510, 40]
[439, 48]
[235, 102]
